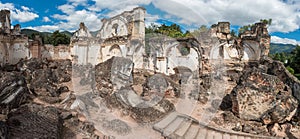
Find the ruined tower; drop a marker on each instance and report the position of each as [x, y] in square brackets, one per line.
[5, 20]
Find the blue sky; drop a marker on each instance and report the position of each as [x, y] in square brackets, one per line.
[51, 15]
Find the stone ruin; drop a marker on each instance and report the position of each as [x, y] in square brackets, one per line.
[122, 35]
[123, 84]
[13, 44]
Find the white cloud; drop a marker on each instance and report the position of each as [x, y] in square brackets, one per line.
[71, 18]
[91, 20]
[193, 13]
[22, 15]
[78, 2]
[276, 39]
[46, 19]
[117, 4]
[285, 16]
[7, 6]
[151, 18]
[67, 8]
[119, 11]
[44, 28]
[25, 8]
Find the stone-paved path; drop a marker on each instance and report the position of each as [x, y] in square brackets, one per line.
[180, 126]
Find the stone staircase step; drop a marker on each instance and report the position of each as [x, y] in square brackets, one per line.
[226, 136]
[218, 135]
[180, 126]
[165, 122]
[233, 137]
[241, 137]
[180, 132]
[171, 128]
[202, 133]
[210, 134]
[192, 131]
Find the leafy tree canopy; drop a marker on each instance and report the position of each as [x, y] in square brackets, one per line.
[291, 60]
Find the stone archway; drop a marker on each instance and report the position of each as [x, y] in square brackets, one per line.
[216, 52]
[175, 58]
[115, 50]
[251, 51]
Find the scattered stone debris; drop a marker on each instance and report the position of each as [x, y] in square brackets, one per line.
[37, 100]
[34, 121]
[141, 109]
[259, 96]
[117, 126]
[13, 91]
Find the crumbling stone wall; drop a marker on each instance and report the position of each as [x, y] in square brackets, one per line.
[250, 46]
[13, 45]
[121, 35]
[166, 54]
[55, 52]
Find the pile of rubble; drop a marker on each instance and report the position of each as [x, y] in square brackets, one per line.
[31, 93]
[146, 105]
[264, 101]
[36, 99]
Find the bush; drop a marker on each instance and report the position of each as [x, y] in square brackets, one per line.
[291, 70]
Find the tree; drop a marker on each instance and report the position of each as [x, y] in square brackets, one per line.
[151, 29]
[188, 34]
[232, 33]
[293, 60]
[243, 29]
[59, 38]
[295, 63]
[203, 28]
[266, 21]
[291, 70]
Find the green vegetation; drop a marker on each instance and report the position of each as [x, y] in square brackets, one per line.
[290, 59]
[184, 50]
[173, 30]
[286, 53]
[57, 38]
[54, 38]
[281, 48]
[248, 27]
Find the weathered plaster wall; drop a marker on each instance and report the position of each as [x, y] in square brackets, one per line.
[250, 46]
[18, 51]
[122, 35]
[56, 52]
[13, 45]
[165, 55]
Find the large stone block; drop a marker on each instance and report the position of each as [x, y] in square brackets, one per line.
[34, 121]
[262, 97]
[13, 91]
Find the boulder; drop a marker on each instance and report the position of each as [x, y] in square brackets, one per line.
[3, 130]
[44, 76]
[13, 90]
[262, 97]
[34, 121]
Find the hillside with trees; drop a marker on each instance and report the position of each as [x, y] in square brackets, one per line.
[291, 60]
[54, 38]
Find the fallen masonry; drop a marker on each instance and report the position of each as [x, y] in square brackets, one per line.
[122, 84]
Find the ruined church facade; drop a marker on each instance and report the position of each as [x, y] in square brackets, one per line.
[122, 35]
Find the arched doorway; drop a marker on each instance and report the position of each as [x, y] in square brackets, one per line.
[115, 51]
